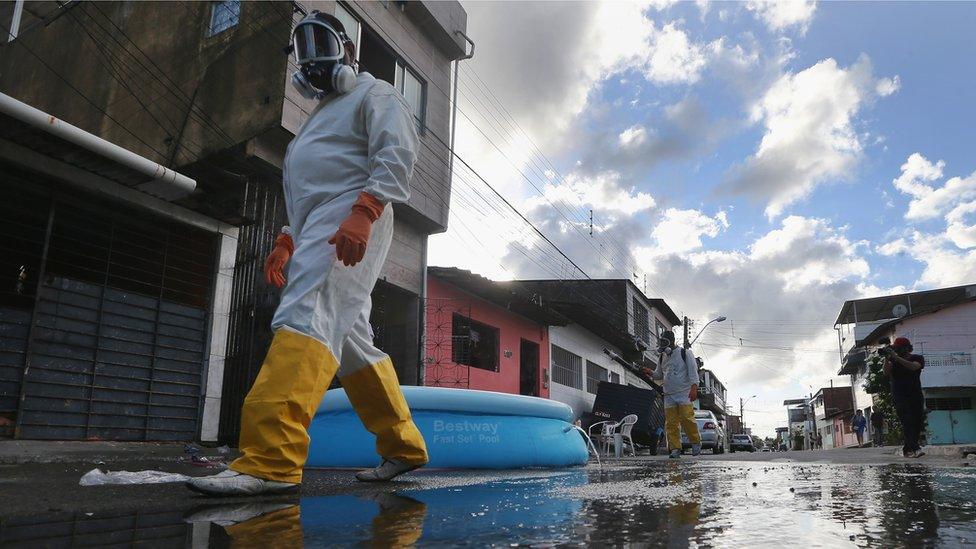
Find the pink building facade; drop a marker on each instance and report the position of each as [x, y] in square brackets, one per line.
[485, 335]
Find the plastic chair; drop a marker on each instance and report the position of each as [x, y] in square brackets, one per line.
[626, 425]
[608, 428]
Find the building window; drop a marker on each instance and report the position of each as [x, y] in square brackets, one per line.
[380, 60]
[474, 344]
[567, 368]
[642, 322]
[412, 88]
[350, 23]
[955, 403]
[223, 16]
[659, 328]
[594, 375]
[614, 377]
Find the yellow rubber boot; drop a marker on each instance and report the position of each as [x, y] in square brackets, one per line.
[374, 393]
[281, 404]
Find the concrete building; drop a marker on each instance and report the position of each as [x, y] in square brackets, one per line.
[834, 408]
[783, 438]
[613, 336]
[946, 338]
[202, 88]
[711, 394]
[938, 322]
[801, 419]
[486, 335]
[734, 425]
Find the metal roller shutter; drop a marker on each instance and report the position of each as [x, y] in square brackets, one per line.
[117, 339]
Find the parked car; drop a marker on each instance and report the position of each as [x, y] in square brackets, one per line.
[712, 433]
[743, 443]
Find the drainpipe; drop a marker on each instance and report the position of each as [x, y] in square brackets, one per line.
[165, 183]
[454, 97]
[15, 20]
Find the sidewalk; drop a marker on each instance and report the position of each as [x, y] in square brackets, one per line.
[16, 452]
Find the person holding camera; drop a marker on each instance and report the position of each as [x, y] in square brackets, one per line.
[904, 370]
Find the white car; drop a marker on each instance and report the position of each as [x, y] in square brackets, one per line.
[742, 443]
[712, 434]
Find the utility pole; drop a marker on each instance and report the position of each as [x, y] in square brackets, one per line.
[742, 417]
[686, 344]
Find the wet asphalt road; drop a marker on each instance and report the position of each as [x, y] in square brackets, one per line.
[708, 503]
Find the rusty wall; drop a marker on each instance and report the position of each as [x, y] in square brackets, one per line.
[144, 64]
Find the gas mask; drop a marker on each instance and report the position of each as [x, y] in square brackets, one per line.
[318, 44]
[665, 343]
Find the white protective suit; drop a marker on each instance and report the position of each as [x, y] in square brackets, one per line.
[678, 374]
[364, 140]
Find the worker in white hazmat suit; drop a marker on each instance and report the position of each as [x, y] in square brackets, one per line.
[679, 370]
[350, 160]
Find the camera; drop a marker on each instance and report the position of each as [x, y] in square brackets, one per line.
[886, 348]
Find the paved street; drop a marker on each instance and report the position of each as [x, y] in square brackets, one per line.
[865, 498]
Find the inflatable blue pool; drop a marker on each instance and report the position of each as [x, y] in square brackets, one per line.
[463, 428]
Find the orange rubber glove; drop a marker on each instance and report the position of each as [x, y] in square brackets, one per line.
[353, 234]
[274, 265]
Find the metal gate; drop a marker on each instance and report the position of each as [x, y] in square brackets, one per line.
[104, 319]
[253, 302]
[440, 343]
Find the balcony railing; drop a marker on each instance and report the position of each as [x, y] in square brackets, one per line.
[948, 359]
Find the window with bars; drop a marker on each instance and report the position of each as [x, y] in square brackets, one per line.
[567, 368]
[642, 321]
[949, 403]
[594, 375]
[474, 344]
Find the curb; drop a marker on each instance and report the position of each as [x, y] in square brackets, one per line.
[953, 451]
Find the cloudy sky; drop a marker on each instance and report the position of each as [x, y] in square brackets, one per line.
[762, 161]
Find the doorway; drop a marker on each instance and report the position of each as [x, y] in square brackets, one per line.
[529, 368]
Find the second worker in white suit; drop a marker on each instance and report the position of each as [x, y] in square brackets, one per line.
[350, 160]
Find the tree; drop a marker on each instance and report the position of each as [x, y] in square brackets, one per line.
[878, 387]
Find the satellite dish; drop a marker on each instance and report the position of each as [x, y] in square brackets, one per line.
[899, 311]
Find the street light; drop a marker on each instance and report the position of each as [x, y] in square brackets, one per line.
[719, 319]
[742, 416]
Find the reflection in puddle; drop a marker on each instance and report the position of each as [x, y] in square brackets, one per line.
[660, 504]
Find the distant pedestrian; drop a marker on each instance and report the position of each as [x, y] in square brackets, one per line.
[877, 427]
[859, 424]
[904, 370]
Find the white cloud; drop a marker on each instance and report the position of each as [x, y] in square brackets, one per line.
[633, 136]
[928, 201]
[839, 262]
[780, 15]
[949, 255]
[603, 191]
[682, 230]
[674, 58]
[662, 5]
[810, 137]
[888, 86]
[961, 232]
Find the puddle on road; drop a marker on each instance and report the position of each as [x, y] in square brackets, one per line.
[659, 504]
